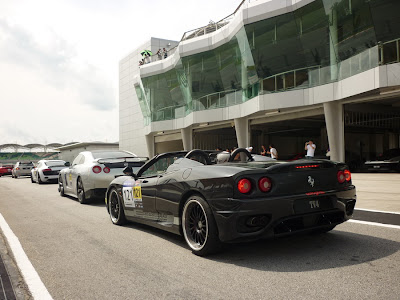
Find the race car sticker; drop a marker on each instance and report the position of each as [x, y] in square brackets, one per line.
[132, 194]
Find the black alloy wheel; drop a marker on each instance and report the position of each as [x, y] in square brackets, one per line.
[115, 208]
[61, 186]
[81, 192]
[199, 227]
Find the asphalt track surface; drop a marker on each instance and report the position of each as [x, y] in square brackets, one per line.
[79, 254]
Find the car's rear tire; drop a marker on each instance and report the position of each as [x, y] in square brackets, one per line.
[32, 179]
[115, 208]
[39, 180]
[80, 192]
[199, 227]
[61, 186]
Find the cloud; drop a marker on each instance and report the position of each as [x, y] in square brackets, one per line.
[58, 64]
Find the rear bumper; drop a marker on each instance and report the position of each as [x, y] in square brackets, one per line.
[23, 173]
[46, 178]
[240, 220]
[382, 166]
[99, 181]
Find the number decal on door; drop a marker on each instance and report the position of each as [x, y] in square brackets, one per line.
[132, 194]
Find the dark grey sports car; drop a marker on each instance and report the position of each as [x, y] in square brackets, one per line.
[387, 161]
[211, 204]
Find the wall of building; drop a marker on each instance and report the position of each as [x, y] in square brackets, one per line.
[259, 62]
[131, 122]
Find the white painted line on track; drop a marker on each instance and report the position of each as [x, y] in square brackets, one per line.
[374, 224]
[31, 277]
[378, 211]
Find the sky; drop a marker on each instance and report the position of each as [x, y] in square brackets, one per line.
[59, 61]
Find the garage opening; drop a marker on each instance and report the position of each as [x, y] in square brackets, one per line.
[210, 139]
[168, 143]
[288, 132]
[372, 128]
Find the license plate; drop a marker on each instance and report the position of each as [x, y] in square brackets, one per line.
[310, 205]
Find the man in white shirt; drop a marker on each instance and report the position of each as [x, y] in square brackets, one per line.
[310, 147]
[273, 152]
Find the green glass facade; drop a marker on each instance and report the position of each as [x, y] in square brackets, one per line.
[322, 42]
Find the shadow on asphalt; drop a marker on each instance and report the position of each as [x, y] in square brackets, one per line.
[93, 202]
[296, 253]
[308, 252]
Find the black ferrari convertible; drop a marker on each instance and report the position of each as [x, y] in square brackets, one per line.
[212, 203]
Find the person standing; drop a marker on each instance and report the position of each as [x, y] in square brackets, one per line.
[310, 147]
[272, 151]
[159, 54]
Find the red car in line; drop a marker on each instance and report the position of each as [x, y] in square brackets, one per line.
[6, 170]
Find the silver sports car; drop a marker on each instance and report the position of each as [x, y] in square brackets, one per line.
[92, 171]
[47, 170]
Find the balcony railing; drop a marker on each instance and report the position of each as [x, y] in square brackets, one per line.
[211, 27]
[383, 53]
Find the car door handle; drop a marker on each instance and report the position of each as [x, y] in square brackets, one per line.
[144, 181]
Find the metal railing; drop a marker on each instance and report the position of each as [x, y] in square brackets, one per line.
[213, 26]
[389, 52]
[156, 57]
[383, 53]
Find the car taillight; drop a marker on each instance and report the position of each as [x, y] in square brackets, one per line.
[347, 175]
[244, 186]
[106, 170]
[264, 184]
[341, 177]
[16, 168]
[47, 170]
[96, 169]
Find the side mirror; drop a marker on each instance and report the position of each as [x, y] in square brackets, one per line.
[129, 172]
[67, 164]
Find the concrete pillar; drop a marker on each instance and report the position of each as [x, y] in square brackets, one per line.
[242, 132]
[150, 145]
[333, 41]
[324, 139]
[334, 119]
[187, 138]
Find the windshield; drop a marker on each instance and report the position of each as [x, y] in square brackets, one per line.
[29, 164]
[111, 154]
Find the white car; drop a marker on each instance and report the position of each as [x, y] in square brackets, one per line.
[92, 171]
[47, 170]
[22, 169]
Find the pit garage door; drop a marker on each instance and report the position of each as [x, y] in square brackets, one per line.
[210, 138]
[371, 128]
[168, 143]
[288, 132]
